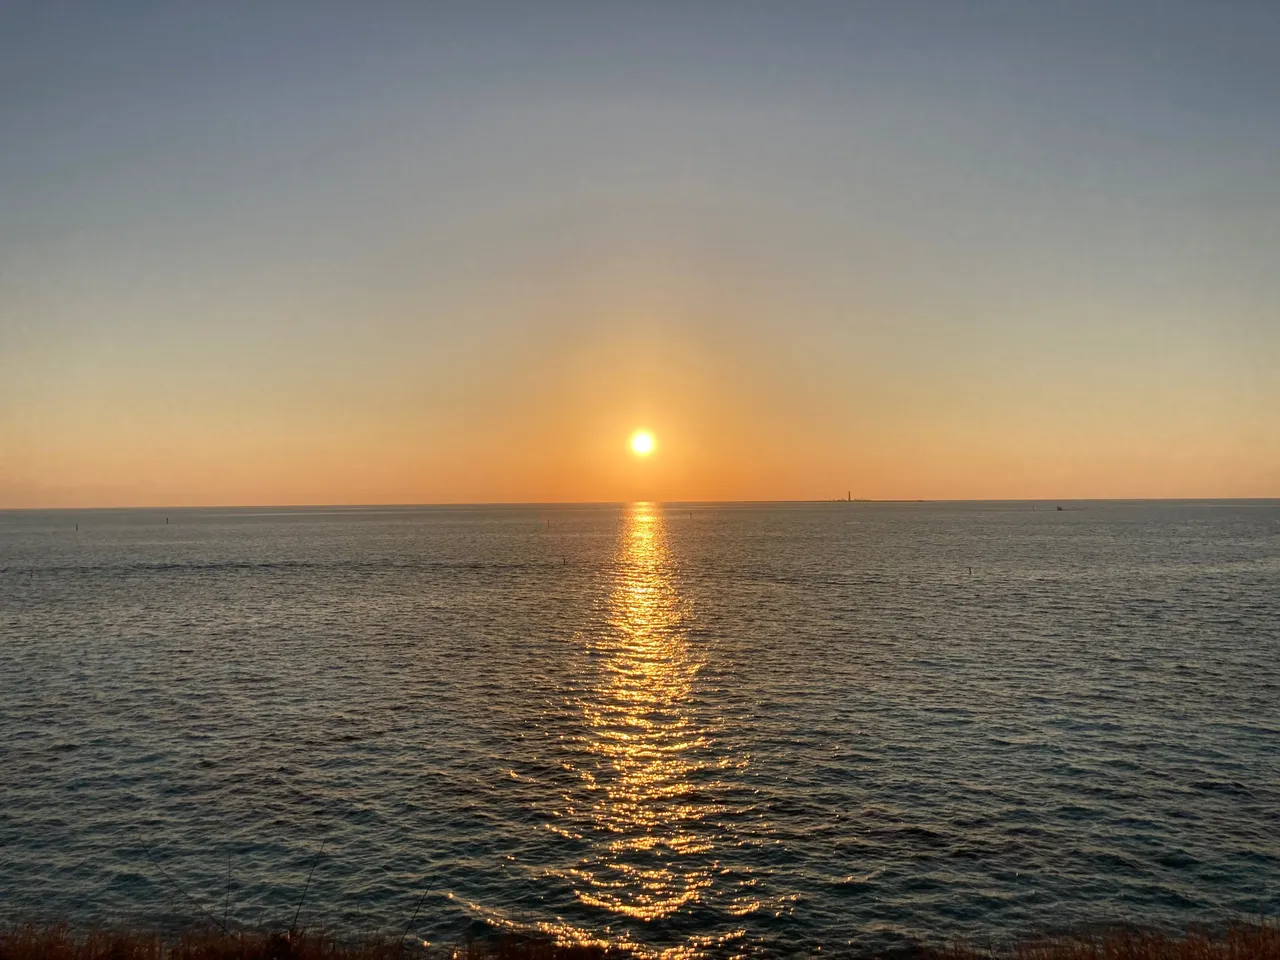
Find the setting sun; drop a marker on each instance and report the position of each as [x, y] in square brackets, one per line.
[642, 443]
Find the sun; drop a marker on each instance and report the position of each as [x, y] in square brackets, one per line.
[642, 443]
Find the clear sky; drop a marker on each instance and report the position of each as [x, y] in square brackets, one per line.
[278, 252]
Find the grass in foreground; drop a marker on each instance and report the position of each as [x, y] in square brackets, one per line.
[59, 943]
[1240, 942]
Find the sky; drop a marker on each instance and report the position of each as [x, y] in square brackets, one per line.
[291, 253]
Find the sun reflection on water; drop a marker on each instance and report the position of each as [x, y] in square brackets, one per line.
[648, 768]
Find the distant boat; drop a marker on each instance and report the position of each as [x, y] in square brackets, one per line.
[1059, 509]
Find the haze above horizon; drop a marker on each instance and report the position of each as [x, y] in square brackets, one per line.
[290, 254]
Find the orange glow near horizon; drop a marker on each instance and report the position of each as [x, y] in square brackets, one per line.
[562, 448]
[551, 415]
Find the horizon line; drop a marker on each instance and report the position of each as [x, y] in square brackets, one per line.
[622, 503]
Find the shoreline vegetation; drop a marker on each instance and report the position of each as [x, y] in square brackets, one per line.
[1258, 940]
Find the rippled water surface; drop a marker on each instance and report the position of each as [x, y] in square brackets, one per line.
[696, 728]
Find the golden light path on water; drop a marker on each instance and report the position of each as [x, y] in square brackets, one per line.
[650, 778]
[653, 793]
[644, 734]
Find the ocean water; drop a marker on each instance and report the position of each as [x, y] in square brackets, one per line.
[700, 729]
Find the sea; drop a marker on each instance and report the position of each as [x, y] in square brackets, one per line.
[693, 729]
